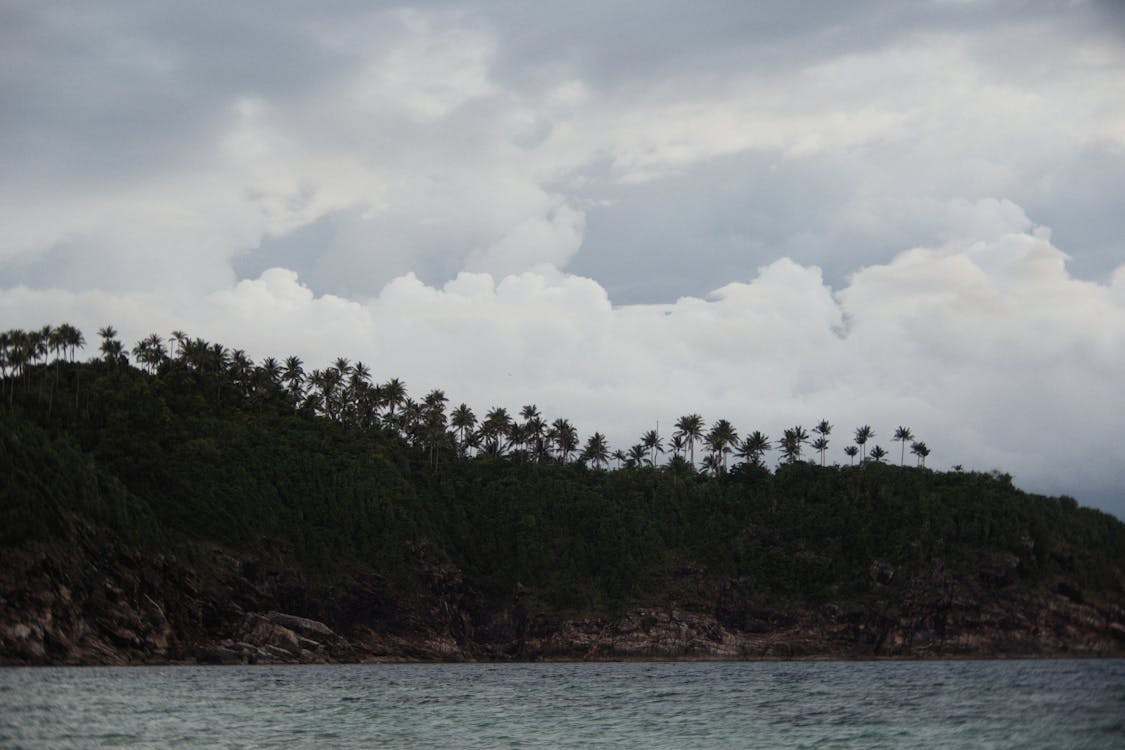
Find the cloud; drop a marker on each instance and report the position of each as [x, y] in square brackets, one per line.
[989, 349]
[523, 203]
[371, 141]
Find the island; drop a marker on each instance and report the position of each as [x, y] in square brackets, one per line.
[188, 505]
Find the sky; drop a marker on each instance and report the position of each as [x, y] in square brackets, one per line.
[883, 213]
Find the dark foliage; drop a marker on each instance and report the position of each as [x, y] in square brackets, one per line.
[187, 458]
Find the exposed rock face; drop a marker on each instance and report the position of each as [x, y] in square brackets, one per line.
[110, 606]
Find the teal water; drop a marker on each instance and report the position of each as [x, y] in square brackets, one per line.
[981, 704]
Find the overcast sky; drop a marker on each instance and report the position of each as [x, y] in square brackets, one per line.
[880, 213]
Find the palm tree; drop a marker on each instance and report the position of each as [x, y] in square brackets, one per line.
[903, 435]
[754, 447]
[178, 338]
[149, 352]
[218, 358]
[343, 366]
[565, 438]
[678, 444]
[920, 450]
[596, 450]
[314, 397]
[820, 445]
[851, 451]
[360, 376]
[358, 405]
[862, 435]
[518, 440]
[619, 456]
[194, 354]
[111, 348]
[17, 358]
[434, 423]
[690, 427]
[69, 338]
[5, 347]
[636, 456]
[42, 339]
[653, 444]
[294, 378]
[494, 430]
[271, 370]
[463, 420]
[394, 391]
[823, 430]
[56, 341]
[534, 431]
[410, 420]
[721, 440]
[878, 454]
[791, 442]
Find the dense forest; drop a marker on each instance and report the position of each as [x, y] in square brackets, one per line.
[387, 514]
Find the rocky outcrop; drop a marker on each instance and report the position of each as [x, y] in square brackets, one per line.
[110, 605]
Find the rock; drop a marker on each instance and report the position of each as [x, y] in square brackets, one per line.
[218, 655]
[257, 630]
[309, 628]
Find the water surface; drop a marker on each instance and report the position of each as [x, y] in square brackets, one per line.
[979, 704]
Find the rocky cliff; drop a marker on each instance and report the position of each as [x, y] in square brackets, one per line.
[98, 602]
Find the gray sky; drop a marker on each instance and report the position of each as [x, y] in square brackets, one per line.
[885, 213]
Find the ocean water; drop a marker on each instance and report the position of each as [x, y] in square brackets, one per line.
[953, 704]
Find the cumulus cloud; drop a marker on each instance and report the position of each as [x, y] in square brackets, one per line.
[526, 204]
[360, 144]
[989, 350]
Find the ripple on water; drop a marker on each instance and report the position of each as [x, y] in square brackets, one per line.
[651, 705]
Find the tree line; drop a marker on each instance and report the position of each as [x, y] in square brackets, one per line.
[345, 392]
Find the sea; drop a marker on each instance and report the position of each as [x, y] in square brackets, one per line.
[801, 704]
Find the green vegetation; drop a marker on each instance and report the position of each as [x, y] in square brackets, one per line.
[196, 448]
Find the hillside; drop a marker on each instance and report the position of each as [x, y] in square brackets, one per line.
[178, 513]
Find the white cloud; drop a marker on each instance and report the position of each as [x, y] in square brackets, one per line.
[989, 350]
[436, 169]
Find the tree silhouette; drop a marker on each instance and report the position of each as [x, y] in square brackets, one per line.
[294, 378]
[653, 444]
[434, 424]
[851, 452]
[878, 454]
[596, 450]
[111, 349]
[792, 442]
[177, 339]
[820, 445]
[823, 429]
[565, 438]
[690, 427]
[494, 430]
[678, 444]
[753, 448]
[534, 432]
[721, 439]
[920, 450]
[463, 421]
[149, 352]
[903, 435]
[862, 435]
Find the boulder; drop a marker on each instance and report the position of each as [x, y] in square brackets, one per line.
[259, 631]
[313, 629]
